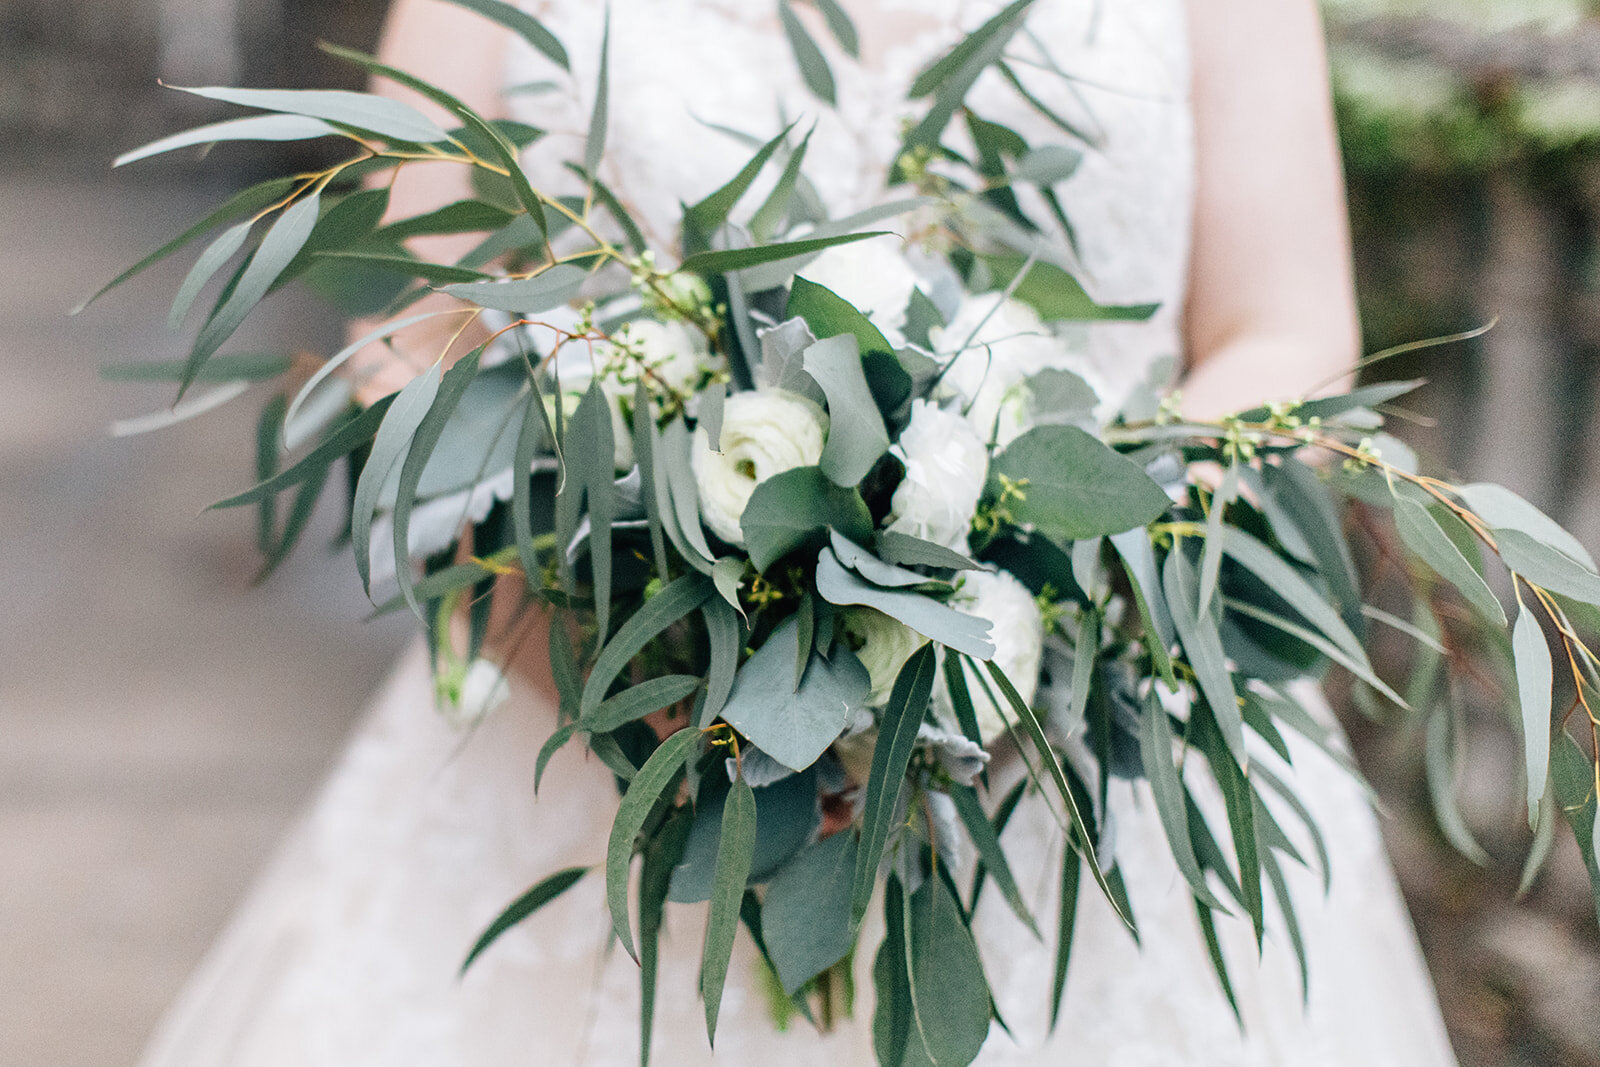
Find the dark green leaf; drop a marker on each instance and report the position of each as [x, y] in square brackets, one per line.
[733, 871]
[950, 63]
[524, 906]
[708, 215]
[1077, 487]
[594, 145]
[775, 208]
[660, 856]
[1067, 918]
[1057, 296]
[556, 742]
[1238, 798]
[243, 367]
[637, 701]
[805, 918]
[1285, 581]
[949, 993]
[1208, 927]
[1211, 552]
[648, 786]
[907, 551]
[793, 508]
[813, 65]
[1144, 581]
[534, 430]
[1575, 787]
[1155, 751]
[722, 633]
[1202, 646]
[1368, 396]
[463, 216]
[839, 24]
[350, 435]
[1300, 494]
[433, 273]
[830, 315]
[590, 453]
[897, 737]
[731, 259]
[990, 852]
[677, 599]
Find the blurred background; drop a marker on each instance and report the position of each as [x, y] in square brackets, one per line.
[164, 718]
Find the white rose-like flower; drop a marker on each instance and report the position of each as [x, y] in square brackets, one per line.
[765, 432]
[946, 465]
[882, 645]
[1017, 630]
[1011, 345]
[873, 275]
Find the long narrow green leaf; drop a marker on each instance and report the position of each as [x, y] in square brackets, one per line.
[541, 894]
[255, 128]
[1302, 496]
[1002, 816]
[936, 73]
[1298, 806]
[555, 743]
[599, 117]
[1575, 788]
[722, 633]
[1548, 568]
[1280, 890]
[735, 851]
[1084, 652]
[432, 273]
[1066, 921]
[1238, 799]
[1535, 676]
[205, 268]
[857, 438]
[775, 208]
[388, 118]
[990, 852]
[1442, 763]
[1202, 645]
[661, 855]
[644, 455]
[590, 449]
[708, 215]
[637, 701]
[1284, 580]
[548, 289]
[807, 56]
[350, 435]
[281, 243]
[1423, 536]
[1208, 927]
[677, 599]
[522, 24]
[647, 787]
[429, 430]
[1155, 750]
[840, 25]
[1356, 667]
[1211, 555]
[388, 448]
[1144, 580]
[534, 430]
[897, 736]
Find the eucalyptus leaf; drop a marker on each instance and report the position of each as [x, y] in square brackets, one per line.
[1287, 583]
[733, 871]
[389, 447]
[1501, 508]
[722, 633]
[1535, 677]
[707, 216]
[904, 550]
[857, 438]
[937, 622]
[1202, 646]
[791, 509]
[709, 264]
[1077, 487]
[990, 852]
[1423, 536]
[523, 24]
[205, 268]
[637, 701]
[1166, 785]
[388, 118]
[805, 918]
[1211, 553]
[1442, 761]
[871, 567]
[548, 289]
[544, 892]
[813, 64]
[795, 724]
[676, 600]
[1301, 496]
[594, 145]
[1575, 788]
[1066, 923]
[346, 438]
[255, 128]
[1056, 295]
[648, 786]
[829, 315]
[949, 993]
[1546, 567]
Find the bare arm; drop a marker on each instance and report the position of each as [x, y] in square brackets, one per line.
[462, 54]
[1271, 309]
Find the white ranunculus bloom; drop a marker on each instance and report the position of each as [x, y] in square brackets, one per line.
[873, 275]
[765, 432]
[1018, 634]
[946, 465]
[1011, 345]
[882, 645]
[482, 688]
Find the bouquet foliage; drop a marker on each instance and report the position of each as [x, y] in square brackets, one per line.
[820, 520]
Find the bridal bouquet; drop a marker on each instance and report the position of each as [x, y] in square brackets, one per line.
[820, 524]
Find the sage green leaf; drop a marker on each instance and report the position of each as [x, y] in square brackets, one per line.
[1368, 396]
[903, 549]
[1535, 676]
[840, 25]
[1238, 797]
[269, 428]
[805, 919]
[547, 890]
[594, 146]
[182, 411]
[1208, 927]
[429, 430]
[891, 1017]
[1202, 646]
[205, 268]
[677, 599]
[534, 430]
[655, 873]
[708, 215]
[871, 567]
[955, 682]
[990, 852]
[787, 816]
[1285, 581]
[245, 202]
[242, 367]
[949, 993]
[1066, 921]
[1077, 487]
[1423, 536]
[1144, 581]
[795, 725]
[774, 210]
[1546, 567]
[1002, 816]
[791, 510]
[1287, 794]
[947, 65]
[648, 786]
[1211, 553]
[255, 128]
[637, 701]
[521, 23]
[432, 273]
[1155, 751]
[933, 620]
[1574, 779]
[553, 744]
[350, 435]
[673, 459]
[1500, 507]
[1302, 496]
[1085, 650]
[339, 358]
[564, 669]
[722, 633]
[1048, 164]
[1358, 667]
[644, 450]
[1035, 734]
[389, 447]
[897, 738]
[548, 289]
[281, 243]
[463, 216]
[1544, 839]
[1280, 890]
[1056, 295]
[734, 854]
[709, 264]
[382, 115]
[829, 315]
[812, 63]
[857, 438]
[590, 451]
[1442, 763]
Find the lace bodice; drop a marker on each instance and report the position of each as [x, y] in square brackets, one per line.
[1118, 72]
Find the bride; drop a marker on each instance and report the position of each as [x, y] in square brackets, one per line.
[1213, 188]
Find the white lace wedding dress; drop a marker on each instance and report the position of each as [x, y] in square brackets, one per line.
[346, 953]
